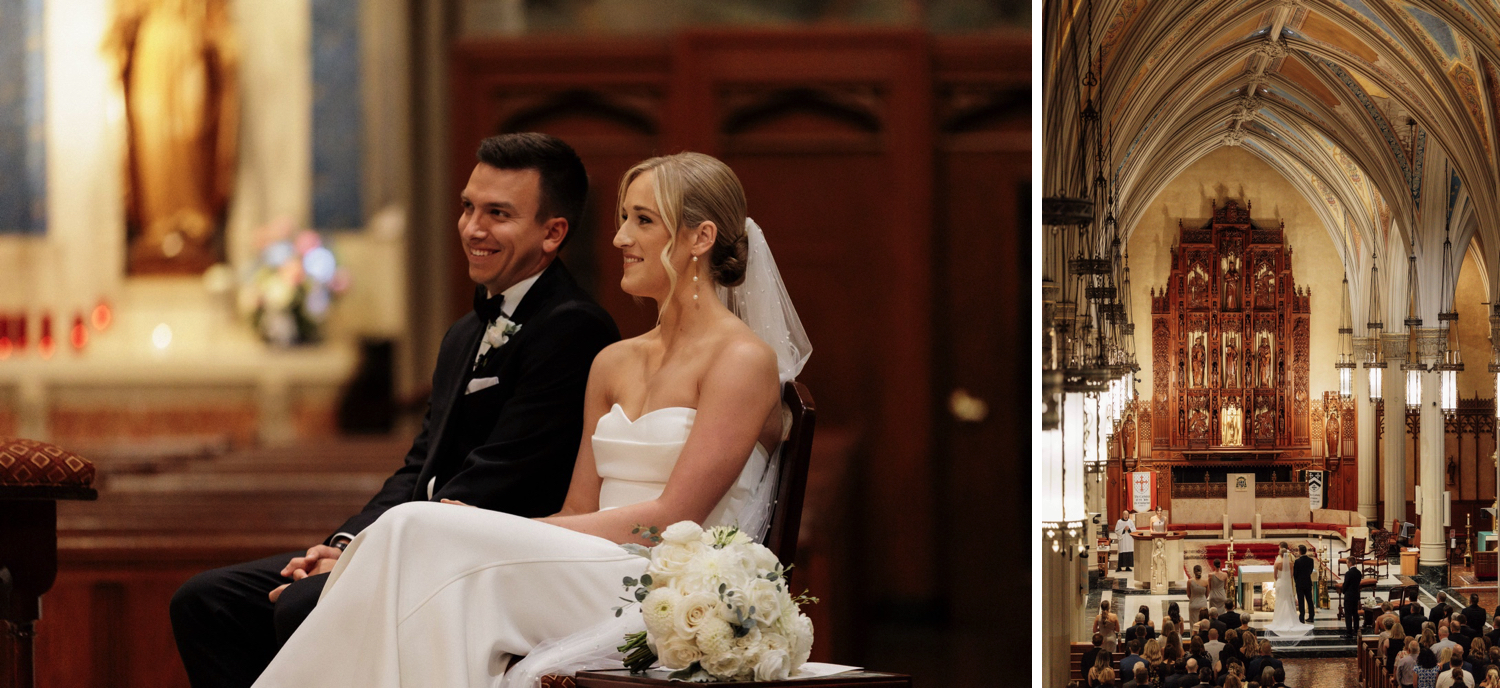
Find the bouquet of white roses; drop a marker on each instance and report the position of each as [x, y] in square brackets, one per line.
[717, 607]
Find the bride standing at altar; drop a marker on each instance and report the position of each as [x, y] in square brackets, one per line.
[442, 595]
[1284, 621]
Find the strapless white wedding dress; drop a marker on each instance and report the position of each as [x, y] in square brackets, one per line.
[441, 595]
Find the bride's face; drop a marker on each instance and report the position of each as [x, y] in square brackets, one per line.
[641, 238]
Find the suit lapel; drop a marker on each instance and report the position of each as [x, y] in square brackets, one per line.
[553, 280]
[450, 389]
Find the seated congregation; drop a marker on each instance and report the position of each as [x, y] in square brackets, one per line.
[1443, 646]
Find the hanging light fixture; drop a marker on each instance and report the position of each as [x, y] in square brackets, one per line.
[1375, 363]
[1346, 364]
[1412, 366]
[1451, 360]
[1074, 329]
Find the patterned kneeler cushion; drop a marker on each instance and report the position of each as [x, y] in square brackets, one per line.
[32, 463]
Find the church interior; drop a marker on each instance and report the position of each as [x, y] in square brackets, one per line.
[228, 259]
[1267, 315]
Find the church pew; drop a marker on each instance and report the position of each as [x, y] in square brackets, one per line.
[121, 558]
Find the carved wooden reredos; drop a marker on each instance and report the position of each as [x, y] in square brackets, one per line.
[1229, 339]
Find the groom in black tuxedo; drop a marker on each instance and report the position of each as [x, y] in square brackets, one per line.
[503, 423]
[1302, 578]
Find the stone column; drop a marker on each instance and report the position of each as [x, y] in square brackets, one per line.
[1431, 462]
[1364, 421]
[1063, 598]
[1393, 392]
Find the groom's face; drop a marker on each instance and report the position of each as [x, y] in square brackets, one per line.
[503, 240]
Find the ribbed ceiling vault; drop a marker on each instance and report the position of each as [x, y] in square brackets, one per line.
[1321, 90]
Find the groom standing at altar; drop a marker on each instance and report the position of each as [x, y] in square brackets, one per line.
[1302, 578]
[503, 423]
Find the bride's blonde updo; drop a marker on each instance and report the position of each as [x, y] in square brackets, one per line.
[693, 188]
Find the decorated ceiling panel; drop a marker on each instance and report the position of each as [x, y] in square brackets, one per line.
[1344, 97]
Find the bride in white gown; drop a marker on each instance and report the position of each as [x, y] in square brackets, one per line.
[1284, 619]
[445, 595]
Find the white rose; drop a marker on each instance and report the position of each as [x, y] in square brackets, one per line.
[773, 665]
[657, 610]
[765, 559]
[724, 666]
[678, 653]
[716, 637]
[765, 599]
[669, 560]
[682, 532]
[691, 611]
[802, 640]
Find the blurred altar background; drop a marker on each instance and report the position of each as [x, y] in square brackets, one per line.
[227, 256]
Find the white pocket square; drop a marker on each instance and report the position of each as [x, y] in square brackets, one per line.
[479, 383]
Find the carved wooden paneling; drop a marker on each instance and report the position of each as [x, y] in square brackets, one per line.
[1230, 337]
[1266, 490]
[1199, 491]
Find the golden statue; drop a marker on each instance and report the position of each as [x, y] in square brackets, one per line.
[177, 63]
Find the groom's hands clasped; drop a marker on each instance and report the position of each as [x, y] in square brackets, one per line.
[319, 559]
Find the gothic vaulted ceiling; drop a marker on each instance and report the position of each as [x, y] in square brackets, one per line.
[1382, 112]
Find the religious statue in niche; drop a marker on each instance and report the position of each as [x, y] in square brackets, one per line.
[1265, 284]
[1197, 287]
[1331, 433]
[1263, 360]
[1231, 360]
[1198, 423]
[1198, 361]
[1265, 424]
[1232, 279]
[1127, 437]
[1452, 470]
[1231, 424]
[177, 63]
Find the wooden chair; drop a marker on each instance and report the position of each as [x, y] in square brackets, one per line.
[1354, 556]
[791, 482]
[33, 476]
[1380, 553]
[799, 421]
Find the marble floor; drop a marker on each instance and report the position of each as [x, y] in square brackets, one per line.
[1332, 672]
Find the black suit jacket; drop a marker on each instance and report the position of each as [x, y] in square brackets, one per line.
[1439, 613]
[1231, 620]
[526, 461]
[1352, 579]
[1412, 620]
[1476, 618]
[1302, 571]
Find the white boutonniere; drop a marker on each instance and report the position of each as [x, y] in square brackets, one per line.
[495, 336]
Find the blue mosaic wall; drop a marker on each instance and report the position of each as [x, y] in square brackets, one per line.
[337, 122]
[23, 161]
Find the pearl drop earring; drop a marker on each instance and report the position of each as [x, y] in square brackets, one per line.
[695, 278]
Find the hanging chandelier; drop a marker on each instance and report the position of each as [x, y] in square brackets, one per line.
[1375, 363]
[1451, 359]
[1077, 298]
[1413, 367]
[1346, 364]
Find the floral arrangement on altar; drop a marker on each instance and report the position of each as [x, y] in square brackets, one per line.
[288, 292]
[717, 607]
